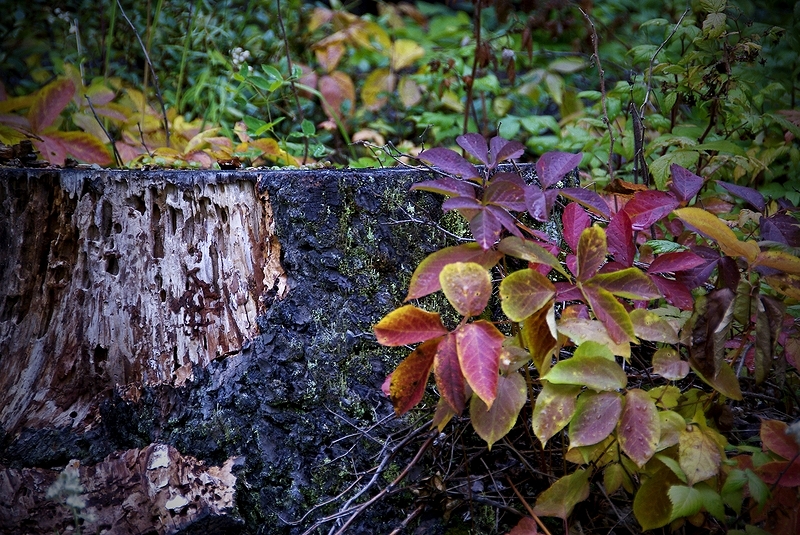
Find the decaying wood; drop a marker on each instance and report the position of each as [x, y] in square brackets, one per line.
[154, 490]
[122, 282]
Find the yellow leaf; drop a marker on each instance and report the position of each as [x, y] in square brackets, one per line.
[10, 136]
[410, 94]
[273, 152]
[404, 53]
[376, 86]
[699, 455]
[713, 227]
[451, 100]
[779, 260]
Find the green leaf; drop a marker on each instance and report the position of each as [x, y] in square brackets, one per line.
[712, 502]
[651, 505]
[581, 330]
[648, 325]
[639, 428]
[714, 25]
[593, 349]
[610, 312]
[479, 346]
[758, 489]
[722, 145]
[686, 501]
[562, 496]
[671, 424]
[660, 168]
[467, 286]
[425, 279]
[494, 423]
[732, 492]
[699, 454]
[597, 373]
[673, 465]
[555, 407]
[613, 476]
[408, 325]
[595, 418]
[530, 251]
[628, 283]
[407, 385]
[524, 292]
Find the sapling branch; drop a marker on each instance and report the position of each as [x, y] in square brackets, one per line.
[603, 95]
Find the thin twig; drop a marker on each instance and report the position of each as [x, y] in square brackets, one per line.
[601, 73]
[291, 78]
[152, 69]
[653, 60]
[528, 507]
[117, 158]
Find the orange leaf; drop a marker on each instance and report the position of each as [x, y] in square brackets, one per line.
[408, 325]
[410, 377]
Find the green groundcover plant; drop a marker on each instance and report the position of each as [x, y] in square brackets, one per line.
[604, 327]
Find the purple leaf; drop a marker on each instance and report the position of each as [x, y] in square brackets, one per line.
[552, 166]
[672, 262]
[460, 203]
[685, 184]
[781, 228]
[692, 278]
[505, 219]
[649, 206]
[587, 198]
[450, 161]
[537, 203]
[574, 220]
[475, 144]
[748, 194]
[486, 228]
[447, 186]
[620, 238]
[507, 190]
[502, 149]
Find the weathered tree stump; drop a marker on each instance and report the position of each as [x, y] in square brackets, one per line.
[217, 322]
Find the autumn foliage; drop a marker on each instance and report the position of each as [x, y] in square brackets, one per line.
[637, 283]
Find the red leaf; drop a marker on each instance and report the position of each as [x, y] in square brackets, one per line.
[620, 238]
[410, 377]
[525, 526]
[425, 279]
[408, 325]
[647, 207]
[587, 198]
[781, 473]
[84, 147]
[675, 292]
[51, 148]
[775, 439]
[552, 166]
[337, 88]
[595, 418]
[685, 184]
[449, 161]
[591, 253]
[574, 220]
[475, 145]
[506, 190]
[462, 203]
[502, 149]
[639, 427]
[447, 371]
[479, 346]
[495, 422]
[50, 101]
[672, 262]
[451, 187]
